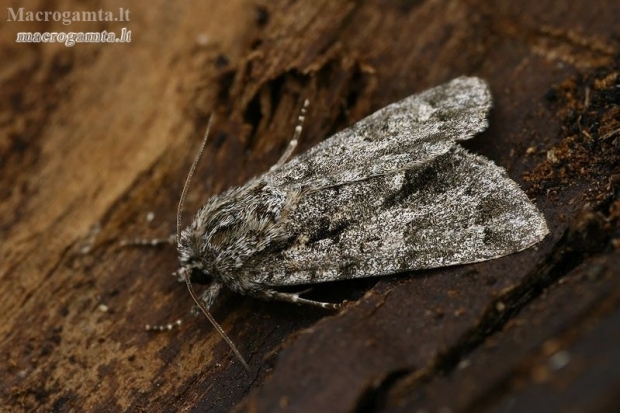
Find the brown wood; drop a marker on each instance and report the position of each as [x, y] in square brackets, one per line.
[96, 136]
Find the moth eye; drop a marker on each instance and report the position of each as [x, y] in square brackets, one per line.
[200, 277]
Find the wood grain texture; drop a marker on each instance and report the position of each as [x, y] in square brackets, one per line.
[95, 136]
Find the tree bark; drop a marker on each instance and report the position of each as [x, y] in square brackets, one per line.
[97, 140]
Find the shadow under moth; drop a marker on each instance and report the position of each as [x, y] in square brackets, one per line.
[393, 193]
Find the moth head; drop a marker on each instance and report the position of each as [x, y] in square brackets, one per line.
[196, 274]
[192, 266]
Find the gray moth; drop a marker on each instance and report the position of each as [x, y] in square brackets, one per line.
[393, 193]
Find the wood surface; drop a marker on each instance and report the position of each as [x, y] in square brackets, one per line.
[96, 139]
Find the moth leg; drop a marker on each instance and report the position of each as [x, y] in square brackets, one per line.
[294, 298]
[163, 327]
[210, 294]
[172, 240]
[295, 139]
[208, 297]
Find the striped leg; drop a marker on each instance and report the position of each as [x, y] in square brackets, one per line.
[294, 298]
[294, 140]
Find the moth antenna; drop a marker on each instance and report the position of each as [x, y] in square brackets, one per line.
[214, 323]
[189, 178]
[186, 277]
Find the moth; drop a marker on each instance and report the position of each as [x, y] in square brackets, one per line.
[393, 193]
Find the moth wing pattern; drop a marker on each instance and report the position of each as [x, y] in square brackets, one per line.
[458, 209]
[395, 193]
[400, 135]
